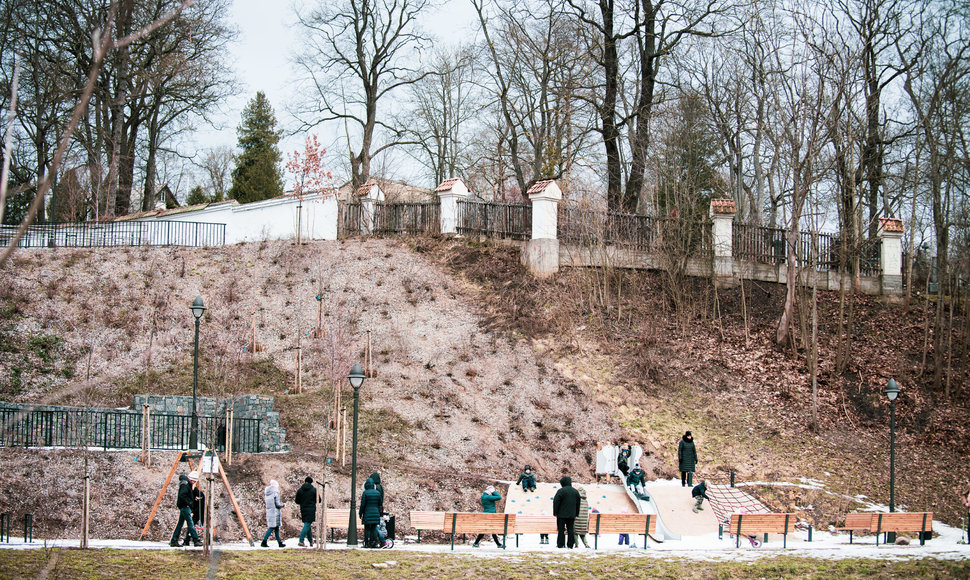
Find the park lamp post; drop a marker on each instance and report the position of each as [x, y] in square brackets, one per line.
[356, 378]
[892, 391]
[198, 309]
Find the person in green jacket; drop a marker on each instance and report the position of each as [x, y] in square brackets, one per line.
[636, 479]
[488, 506]
[687, 459]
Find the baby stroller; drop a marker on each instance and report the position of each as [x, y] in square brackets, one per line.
[385, 530]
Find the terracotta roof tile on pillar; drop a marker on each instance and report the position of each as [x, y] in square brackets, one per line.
[365, 188]
[892, 224]
[447, 184]
[723, 206]
[540, 186]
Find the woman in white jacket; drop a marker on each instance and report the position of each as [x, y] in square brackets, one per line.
[274, 517]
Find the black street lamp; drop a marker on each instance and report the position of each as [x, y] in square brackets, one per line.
[892, 391]
[356, 378]
[198, 309]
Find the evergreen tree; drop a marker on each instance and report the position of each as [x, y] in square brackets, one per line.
[257, 174]
[196, 196]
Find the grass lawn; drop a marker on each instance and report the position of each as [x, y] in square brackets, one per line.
[158, 565]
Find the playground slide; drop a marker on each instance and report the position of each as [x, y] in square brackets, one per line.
[606, 464]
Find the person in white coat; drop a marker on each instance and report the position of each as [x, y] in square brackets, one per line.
[274, 515]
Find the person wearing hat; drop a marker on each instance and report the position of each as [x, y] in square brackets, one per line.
[306, 498]
[184, 504]
[687, 459]
[527, 479]
[274, 513]
[198, 504]
[488, 500]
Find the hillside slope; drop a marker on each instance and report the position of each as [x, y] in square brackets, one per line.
[480, 369]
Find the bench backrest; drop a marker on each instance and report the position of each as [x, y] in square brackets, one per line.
[858, 521]
[535, 524]
[478, 523]
[762, 524]
[339, 519]
[428, 521]
[902, 522]
[622, 523]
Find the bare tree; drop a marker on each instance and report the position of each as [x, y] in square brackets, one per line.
[217, 165]
[358, 54]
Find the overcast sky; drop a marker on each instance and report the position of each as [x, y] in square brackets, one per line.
[262, 58]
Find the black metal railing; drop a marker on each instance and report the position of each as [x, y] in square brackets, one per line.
[636, 232]
[116, 234]
[492, 219]
[409, 218]
[117, 429]
[820, 251]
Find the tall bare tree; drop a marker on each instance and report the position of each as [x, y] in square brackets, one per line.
[358, 55]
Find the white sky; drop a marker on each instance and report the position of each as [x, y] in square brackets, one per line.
[268, 38]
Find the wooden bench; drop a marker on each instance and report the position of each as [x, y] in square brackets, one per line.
[478, 523]
[534, 525]
[857, 522]
[921, 522]
[339, 519]
[644, 524]
[752, 524]
[431, 521]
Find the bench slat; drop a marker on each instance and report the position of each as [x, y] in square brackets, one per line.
[434, 521]
[749, 524]
[535, 524]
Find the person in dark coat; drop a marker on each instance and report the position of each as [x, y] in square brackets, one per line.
[565, 506]
[274, 514]
[370, 512]
[636, 480]
[700, 494]
[488, 499]
[527, 479]
[687, 459]
[306, 498]
[376, 478]
[623, 460]
[198, 505]
[184, 504]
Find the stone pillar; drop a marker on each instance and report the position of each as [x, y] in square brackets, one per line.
[541, 253]
[722, 240]
[370, 195]
[891, 255]
[450, 192]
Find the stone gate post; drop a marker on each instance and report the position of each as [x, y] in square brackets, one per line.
[449, 193]
[891, 255]
[541, 253]
[722, 240]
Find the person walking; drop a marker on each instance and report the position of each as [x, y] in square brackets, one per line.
[370, 512]
[198, 505]
[565, 506]
[183, 502]
[699, 493]
[527, 479]
[306, 498]
[488, 499]
[274, 513]
[581, 525]
[687, 458]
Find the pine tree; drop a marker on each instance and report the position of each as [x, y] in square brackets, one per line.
[257, 174]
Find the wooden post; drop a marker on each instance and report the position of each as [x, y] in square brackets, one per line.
[146, 435]
[229, 435]
[322, 522]
[254, 332]
[298, 387]
[207, 540]
[161, 493]
[319, 333]
[343, 439]
[367, 359]
[85, 512]
[235, 505]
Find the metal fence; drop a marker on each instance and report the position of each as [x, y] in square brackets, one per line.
[115, 234]
[500, 220]
[820, 251]
[411, 218]
[635, 232]
[111, 429]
